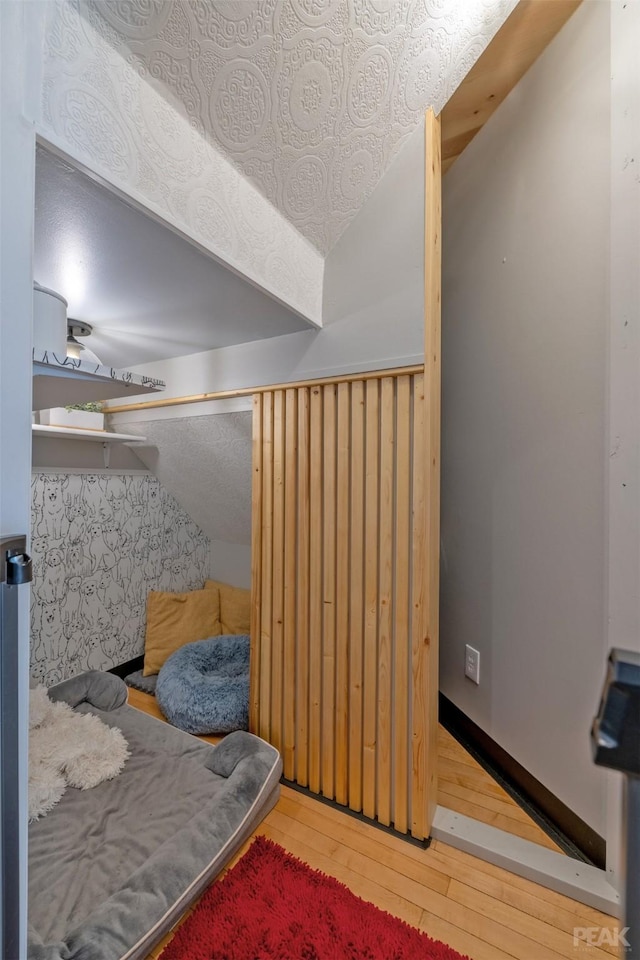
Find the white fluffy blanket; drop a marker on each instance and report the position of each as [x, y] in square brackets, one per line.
[67, 749]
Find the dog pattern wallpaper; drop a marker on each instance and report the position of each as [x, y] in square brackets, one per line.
[100, 543]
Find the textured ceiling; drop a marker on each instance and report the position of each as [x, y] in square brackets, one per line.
[309, 99]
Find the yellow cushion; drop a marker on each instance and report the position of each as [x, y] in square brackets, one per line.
[174, 619]
[235, 607]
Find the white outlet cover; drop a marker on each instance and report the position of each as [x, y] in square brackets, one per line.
[472, 663]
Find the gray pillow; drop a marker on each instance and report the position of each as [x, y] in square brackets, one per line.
[102, 690]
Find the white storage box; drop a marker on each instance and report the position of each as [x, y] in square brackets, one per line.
[79, 419]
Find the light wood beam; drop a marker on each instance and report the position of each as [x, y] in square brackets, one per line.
[432, 391]
[264, 388]
[521, 39]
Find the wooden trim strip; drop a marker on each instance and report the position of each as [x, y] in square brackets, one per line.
[419, 613]
[385, 600]
[328, 708]
[266, 566]
[343, 526]
[256, 562]
[315, 588]
[401, 622]
[356, 596]
[268, 388]
[432, 391]
[371, 559]
[302, 591]
[290, 566]
[277, 574]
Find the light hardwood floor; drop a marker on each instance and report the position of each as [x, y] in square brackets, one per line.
[463, 785]
[478, 909]
[466, 787]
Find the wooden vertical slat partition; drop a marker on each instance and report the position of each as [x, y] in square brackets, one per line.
[255, 679]
[277, 572]
[301, 692]
[345, 558]
[290, 592]
[356, 595]
[340, 637]
[385, 599]
[329, 560]
[343, 583]
[371, 559]
[265, 564]
[401, 622]
[315, 588]
[419, 599]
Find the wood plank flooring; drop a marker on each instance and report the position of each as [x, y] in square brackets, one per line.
[466, 787]
[478, 909]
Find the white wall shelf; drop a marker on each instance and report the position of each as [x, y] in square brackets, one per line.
[77, 433]
[62, 381]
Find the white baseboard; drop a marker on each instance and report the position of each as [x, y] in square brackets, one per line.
[558, 872]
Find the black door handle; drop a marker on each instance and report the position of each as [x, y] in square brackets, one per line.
[19, 569]
[15, 562]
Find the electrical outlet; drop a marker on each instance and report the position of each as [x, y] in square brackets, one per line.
[472, 663]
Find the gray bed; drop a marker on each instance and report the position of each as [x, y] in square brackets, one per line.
[112, 869]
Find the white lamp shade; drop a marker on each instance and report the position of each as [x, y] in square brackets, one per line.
[49, 321]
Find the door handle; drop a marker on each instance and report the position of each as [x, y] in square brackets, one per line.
[19, 569]
[15, 563]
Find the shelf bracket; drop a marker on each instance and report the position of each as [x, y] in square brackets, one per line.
[106, 454]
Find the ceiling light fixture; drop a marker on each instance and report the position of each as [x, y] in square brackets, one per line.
[75, 349]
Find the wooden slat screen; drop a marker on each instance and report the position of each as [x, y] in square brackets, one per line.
[339, 592]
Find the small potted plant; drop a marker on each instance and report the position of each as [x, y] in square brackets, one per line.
[82, 416]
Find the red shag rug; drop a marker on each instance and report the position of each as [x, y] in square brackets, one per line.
[271, 906]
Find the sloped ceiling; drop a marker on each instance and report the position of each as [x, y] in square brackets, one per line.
[105, 114]
[309, 99]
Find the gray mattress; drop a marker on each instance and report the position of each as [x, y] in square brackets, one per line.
[112, 869]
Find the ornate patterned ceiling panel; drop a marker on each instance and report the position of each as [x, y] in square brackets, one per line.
[108, 115]
[309, 99]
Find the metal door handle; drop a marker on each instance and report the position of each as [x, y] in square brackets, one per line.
[15, 562]
[19, 569]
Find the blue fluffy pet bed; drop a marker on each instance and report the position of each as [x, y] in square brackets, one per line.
[204, 686]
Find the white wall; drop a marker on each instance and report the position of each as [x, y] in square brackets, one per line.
[373, 300]
[525, 328]
[231, 563]
[623, 545]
